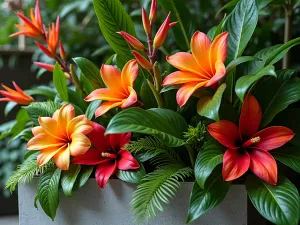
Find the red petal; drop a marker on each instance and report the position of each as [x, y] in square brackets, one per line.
[97, 137]
[126, 161]
[117, 141]
[250, 117]
[91, 157]
[104, 171]
[264, 166]
[235, 164]
[44, 49]
[273, 137]
[225, 132]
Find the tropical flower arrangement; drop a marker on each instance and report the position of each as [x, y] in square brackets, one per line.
[206, 114]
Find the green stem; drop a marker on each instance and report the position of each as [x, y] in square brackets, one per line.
[288, 9]
[191, 154]
[159, 100]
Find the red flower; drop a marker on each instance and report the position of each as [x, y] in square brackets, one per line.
[107, 154]
[248, 147]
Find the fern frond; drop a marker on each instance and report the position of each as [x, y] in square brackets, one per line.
[26, 172]
[157, 187]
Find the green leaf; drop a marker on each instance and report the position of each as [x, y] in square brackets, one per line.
[210, 156]
[184, 29]
[234, 63]
[229, 5]
[170, 87]
[166, 125]
[48, 191]
[90, 71]
[60, 82]
[204, 200]
[216, 30]
[209, 106]
[9, 107]
[46, 91]
[83, 177]
[93, 106]
[289, 156]
[113, 18]
[278, 204]
[132, 176]
[240, 24]
[245, 82]
[275, 95]
[147, 96]
[68, 179]
[37, 109]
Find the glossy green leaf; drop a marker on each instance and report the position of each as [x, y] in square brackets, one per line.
[93, 106]
[210, 156]
[227, 6]
[289, 156]
[90, 71]
[275, 95]
[68, 179]
[166, 125]
[216, 30]
[278, 204]
[147, 96]
[204, 200]
[46, 91]
[170, 87]
[83, 176]
[60, 82]
[48, 191]
[209, 106]
[240, 24]
[9, 107]
[245, 82]
[132, 176]
[113, 18]
[234, 63]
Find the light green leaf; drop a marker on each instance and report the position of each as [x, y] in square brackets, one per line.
[43, 91]
[83, 177]
[60, 82]
[68, 179]
[132, 176]
[9, 107]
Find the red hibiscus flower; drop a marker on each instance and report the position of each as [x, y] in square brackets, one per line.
[248, 147]
[108, 154]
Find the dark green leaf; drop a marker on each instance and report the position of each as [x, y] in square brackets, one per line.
[147, 96]
[83, 177]
[132, 176]
[278, 204]
[170, 87]
[289, 156]
[216, 30]
[60, 82]
[90, 112]
[46, 91]
[68, 179]
[234, 63]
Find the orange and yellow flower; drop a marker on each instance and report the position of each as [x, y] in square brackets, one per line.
[61, 136]
[32, 28]
[203, 68]
[18, 96]
[119, 91]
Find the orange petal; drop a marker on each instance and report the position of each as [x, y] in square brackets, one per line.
[106, 94]
[50, 127]
[132, 98]
[104, 107]
[79, 124]
[62, 158]
[47, 154]
[63, 116]
[38, 130]
[111, 77]
[80, 144]
[200, 46]
[186, 91]
[129, 74]
[218, 50]
[42, 141]
[220, 73]
[181, 77]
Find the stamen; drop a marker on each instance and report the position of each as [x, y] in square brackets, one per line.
[255, 140]
[108, 155]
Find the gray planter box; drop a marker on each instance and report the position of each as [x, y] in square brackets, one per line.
[111, 206]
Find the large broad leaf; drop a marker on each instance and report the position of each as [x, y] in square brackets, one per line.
[46, 91]
[83, 177]
[278, 204]
[245, 82]
[68, 179]
[275, 95]
[204, 200]
[113, 18]
[90, 71]
[209, 106]
[48, 191]
[184, 29]
[240, 24]
[234, 63]
[210, 156]
[167, 125]
[132, 176]
[289, 156]
[60, 82]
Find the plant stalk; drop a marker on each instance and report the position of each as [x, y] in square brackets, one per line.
[288, 10]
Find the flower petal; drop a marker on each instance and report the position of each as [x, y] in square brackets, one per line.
[181, 77]
[106, 106]
[38, 130]
[126, 161]
[218, 49]
[79, 124]
[117, 141]
[62, 158]
[220, 73]
[98, 139]
[91, 157]
[104, 171]
[132, 98]
[129, 74]
[250, 117]
[42, 141]
[105, 94]
[186, 62]
[186, 91]
[50, 126]
[235, 164]
[111, 77]
[263, 165]
[273, 137]
[63, 116]
[225, 132]
[46, 154]
[80, 144]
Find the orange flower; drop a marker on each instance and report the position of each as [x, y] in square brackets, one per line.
[31, 28]
[119, 91]
[203, 68]
[18, 96]
[61, 136]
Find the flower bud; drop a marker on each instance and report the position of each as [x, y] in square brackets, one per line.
[142, 60]
[45, 66]
[172, 24]
[162, 33]
[153, 10]
[62, 51]
[146, 22]
[132, 41]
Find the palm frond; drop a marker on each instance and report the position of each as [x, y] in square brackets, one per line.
[157, 187]
[26, 171]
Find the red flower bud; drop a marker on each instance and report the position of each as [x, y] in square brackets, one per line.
[162, 33]
[44, 49]
[62, 51]
[146, 22]
[132, 41]
[172, 24]
[153, 10]
[142, 60]
[45, 66]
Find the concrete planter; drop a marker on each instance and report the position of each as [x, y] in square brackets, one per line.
[92, 206]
